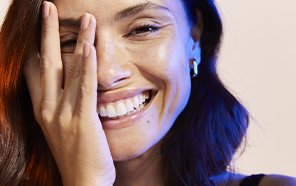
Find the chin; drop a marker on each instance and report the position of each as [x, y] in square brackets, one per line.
[131, 143]
[122, 152]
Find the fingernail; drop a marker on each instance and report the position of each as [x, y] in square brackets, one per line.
[86, 50]
[45, 10]
[85, 21]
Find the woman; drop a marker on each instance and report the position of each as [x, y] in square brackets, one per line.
[106, 97]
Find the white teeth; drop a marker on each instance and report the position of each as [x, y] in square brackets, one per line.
[129, 105]
[111, 111]
[146, 95]
[124, 107]
[136, 102]
[102, 111]
[120, 109]
[140, 99]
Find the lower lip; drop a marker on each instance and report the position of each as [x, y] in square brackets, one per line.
[112, 124]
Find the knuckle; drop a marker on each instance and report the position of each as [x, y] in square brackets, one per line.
[45, 117]
[44, 63]
[61, 123]
[73, 71]
[84, 90]
[60, 119]
[47, 111]
[64, 115]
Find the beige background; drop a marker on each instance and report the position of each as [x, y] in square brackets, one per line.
[258, 64]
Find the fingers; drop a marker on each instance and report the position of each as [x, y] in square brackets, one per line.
[47, 68]
[51, 69]
[86, 35]
[87, 88]
[44, 76]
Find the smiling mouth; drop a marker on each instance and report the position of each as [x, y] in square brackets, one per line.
[125, 107]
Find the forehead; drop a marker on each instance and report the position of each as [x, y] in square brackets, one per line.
[105, 9]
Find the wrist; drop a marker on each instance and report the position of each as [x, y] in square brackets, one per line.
[106, 180]
[89, 182]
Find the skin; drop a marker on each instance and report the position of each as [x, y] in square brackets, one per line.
[124, 63]
[113, 59]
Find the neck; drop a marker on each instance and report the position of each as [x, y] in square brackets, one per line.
[143, 170]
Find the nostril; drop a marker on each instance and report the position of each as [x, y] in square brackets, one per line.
[112, 75]
[119, 80]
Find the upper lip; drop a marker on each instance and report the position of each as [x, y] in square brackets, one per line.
[116, 95]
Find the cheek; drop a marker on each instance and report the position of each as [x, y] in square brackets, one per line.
[165, 62]
[163, 58]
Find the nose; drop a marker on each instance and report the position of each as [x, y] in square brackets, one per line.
[112, 70]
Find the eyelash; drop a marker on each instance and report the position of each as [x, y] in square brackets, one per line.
[69, 43]
[151, 30]
[144, 29]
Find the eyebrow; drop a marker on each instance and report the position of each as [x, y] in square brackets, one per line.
[138, 8]
[70, 22]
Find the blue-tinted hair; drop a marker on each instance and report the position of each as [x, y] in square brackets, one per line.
[199, 145]
[205, 136]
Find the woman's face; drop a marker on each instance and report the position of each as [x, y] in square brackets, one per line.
[143, 50]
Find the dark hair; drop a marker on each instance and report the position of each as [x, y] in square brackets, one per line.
[203, 139]
[199, 145]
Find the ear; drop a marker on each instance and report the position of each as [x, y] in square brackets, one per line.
[197, 27]
[196, 31]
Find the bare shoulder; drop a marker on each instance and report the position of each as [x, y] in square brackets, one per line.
[277, 180]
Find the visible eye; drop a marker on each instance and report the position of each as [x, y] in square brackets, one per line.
[68, 46]
[144, 30]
